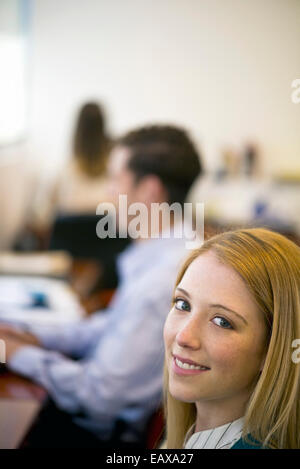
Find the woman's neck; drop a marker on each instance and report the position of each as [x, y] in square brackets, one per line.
[214, 414]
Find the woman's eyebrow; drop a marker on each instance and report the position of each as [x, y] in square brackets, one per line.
[230, 310]
[183, 291]
[215, 305]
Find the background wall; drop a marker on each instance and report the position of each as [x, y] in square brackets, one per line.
[221, 68]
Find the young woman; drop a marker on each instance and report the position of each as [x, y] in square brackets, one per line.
[82, 182]
[230, 377]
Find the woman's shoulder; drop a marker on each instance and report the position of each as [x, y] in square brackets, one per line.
[249, 443]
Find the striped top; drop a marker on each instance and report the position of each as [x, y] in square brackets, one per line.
[223, 437]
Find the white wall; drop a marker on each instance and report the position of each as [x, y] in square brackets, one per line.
[222, 68]
[18, 183]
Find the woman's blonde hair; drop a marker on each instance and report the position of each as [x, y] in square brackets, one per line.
[269, 264]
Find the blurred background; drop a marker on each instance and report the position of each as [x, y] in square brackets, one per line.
[74, 76]
[223, 70]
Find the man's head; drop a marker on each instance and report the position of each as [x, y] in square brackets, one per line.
[156, 163]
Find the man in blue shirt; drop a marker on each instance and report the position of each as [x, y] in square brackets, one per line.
[108, 368]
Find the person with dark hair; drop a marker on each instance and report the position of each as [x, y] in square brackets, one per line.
[110, 391]
[167, 152]
[91, 143]
[81, 184]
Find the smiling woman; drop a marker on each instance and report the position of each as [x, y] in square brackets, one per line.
[229, 378]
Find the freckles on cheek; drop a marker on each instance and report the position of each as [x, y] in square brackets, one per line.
[225, 356]
[169, 335]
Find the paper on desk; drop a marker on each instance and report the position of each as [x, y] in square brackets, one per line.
[16, 305]
[14, 293]
[34, 317]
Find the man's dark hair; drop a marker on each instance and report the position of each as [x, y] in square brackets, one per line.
[167, 152]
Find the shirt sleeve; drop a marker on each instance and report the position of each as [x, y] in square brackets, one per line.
[73, 338]
[124, 370]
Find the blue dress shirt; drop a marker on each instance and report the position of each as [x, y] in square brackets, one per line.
[119, 351]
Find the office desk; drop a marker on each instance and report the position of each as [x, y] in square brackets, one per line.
[20, 399]
[20, 403]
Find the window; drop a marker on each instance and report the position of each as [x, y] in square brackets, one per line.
[14, 15]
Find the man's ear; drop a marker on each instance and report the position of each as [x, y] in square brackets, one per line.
[152, 190]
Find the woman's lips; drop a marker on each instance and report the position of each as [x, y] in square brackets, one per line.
[187, 360]
[186, 371]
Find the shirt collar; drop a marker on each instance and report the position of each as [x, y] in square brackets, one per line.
[215, 438]
[140, 254]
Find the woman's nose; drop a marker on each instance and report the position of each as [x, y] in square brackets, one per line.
[189, 335]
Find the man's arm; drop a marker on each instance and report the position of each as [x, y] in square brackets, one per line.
[125, 368]
[70, 339]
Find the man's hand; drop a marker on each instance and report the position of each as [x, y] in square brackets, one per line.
[18, 335]
[12, 345]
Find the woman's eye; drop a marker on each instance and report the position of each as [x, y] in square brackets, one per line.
[222, 322]
[182, 305]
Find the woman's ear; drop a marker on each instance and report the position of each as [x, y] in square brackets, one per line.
[265, 351]
[263, 363]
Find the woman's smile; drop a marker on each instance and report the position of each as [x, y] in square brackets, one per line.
[187, 367]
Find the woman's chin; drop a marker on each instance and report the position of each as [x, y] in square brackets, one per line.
[183, 395]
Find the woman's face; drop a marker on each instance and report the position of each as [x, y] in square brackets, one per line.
[215, 326]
